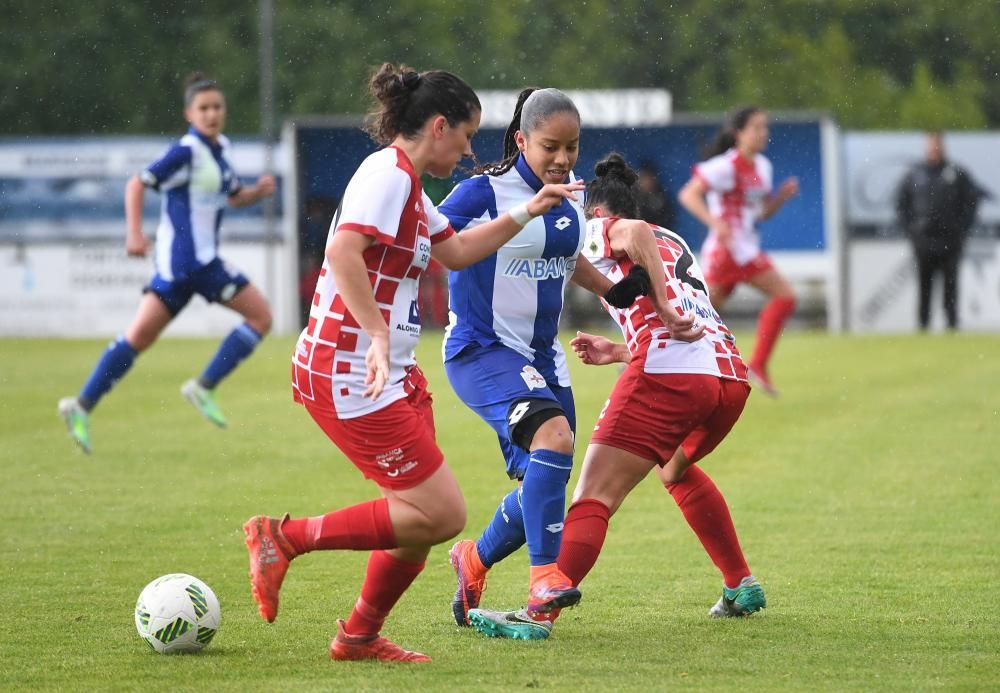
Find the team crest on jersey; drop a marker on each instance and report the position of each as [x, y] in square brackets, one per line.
[532, 378]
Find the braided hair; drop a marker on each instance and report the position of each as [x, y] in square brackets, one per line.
[534, 106]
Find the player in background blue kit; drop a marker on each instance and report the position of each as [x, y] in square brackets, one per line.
[502, 353]
[197, 180]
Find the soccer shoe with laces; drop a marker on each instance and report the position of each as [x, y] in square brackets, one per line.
[759, 380]
[471, 585]
[516, 625]
[346, 647]
[270, 554]
[203, 400]
[77, 421]
[743, 600]
[553, 590]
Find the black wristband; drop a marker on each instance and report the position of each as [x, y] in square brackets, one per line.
[624, 293]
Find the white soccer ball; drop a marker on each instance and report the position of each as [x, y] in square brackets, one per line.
[177, 613]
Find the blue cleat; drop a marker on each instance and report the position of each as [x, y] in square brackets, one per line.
[515, 625]
[745, 599]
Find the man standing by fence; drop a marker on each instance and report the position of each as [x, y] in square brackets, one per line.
[936, 206]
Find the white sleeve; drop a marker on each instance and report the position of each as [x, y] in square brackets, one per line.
[373, 204]
[717, 173]
[438, 225]
[766, 172]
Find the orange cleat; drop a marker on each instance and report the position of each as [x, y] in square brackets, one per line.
[471, 575]
[550, 589]
[270, 554]
[347, 647]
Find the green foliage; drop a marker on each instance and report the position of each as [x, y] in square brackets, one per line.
[111, 67]
[865, 498]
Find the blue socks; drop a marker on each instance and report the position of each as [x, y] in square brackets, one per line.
[114, 364]
[543, 500]
[505, 533]
[237, 345]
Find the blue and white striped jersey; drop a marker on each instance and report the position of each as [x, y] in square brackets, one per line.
[195, 177]
[515, 296]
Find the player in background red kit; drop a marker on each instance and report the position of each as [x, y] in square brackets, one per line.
[354, 367]
[674, 403]
[730, 192]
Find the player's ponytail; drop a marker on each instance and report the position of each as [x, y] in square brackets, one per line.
[726, 137]
[534, 106]
[613, 188]
[510, 150]
[405, 99]
[197, 82]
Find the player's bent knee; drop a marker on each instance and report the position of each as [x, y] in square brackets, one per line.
[262, 323]
[447, 522]
[140, 340]
[537, 423]
[555, 435]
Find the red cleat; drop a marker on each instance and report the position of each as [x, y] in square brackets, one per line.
[347, 647]
[471, 579]
[270, 554]
[551, 590]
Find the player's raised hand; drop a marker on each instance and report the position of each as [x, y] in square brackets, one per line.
[595, 350]
[552, 194]
[377, 363]
[136, 244]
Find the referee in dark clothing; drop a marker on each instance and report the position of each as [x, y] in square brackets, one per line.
[936, 204]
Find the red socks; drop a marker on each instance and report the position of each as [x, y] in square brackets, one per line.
[584, 530]
[365, 526]
[386, 579]
[706, 512]
[772, 319]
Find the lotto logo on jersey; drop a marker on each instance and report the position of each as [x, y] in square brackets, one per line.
[540, 268]
[562, 223]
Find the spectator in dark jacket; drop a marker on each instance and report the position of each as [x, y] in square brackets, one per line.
[936, 204]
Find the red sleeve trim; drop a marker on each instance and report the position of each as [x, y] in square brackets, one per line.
[368, 230]
[608, 222]
[442, 235]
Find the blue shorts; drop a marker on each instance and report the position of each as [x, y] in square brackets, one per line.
[215, 282]
[489, 380]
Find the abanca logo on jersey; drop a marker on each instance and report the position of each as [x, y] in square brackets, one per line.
[539, 268]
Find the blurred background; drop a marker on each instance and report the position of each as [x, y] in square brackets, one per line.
[90, 93]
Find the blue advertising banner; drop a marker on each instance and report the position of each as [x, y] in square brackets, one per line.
[328, 157]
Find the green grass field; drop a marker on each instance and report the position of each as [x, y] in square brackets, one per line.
[867, 499]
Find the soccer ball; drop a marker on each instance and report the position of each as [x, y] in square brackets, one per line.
[177, 613]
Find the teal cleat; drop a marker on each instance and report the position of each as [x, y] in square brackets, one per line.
[516, 625]
[204, 401]
[77, 421]
[745, 599]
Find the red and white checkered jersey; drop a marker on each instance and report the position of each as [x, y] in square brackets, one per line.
[384, 200]
[647, 338]
[737, 190]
